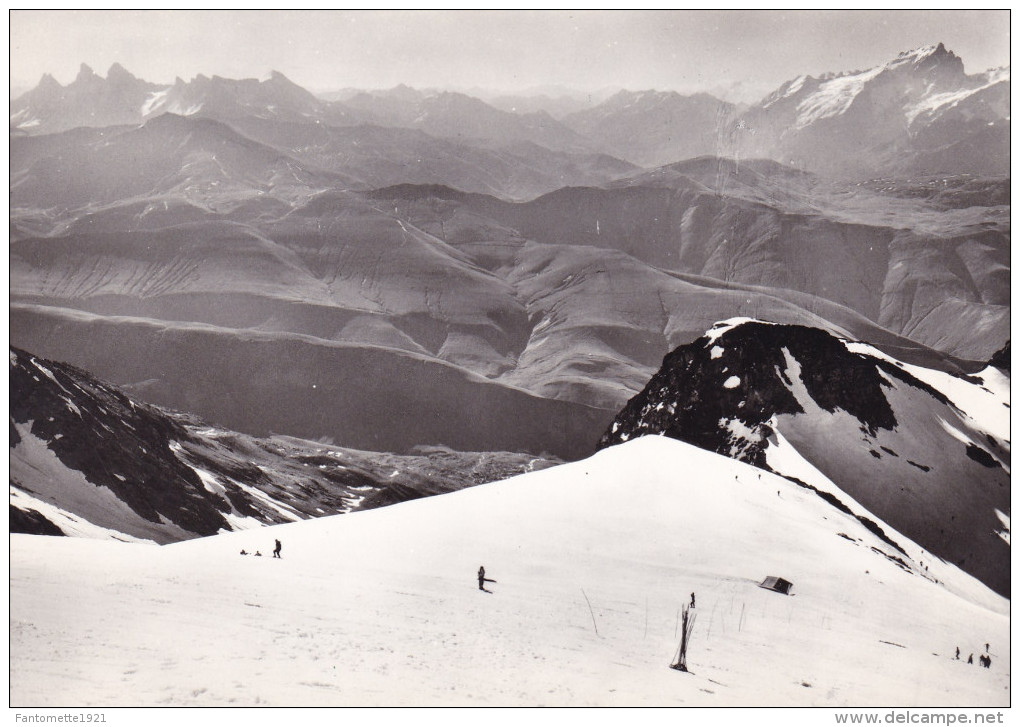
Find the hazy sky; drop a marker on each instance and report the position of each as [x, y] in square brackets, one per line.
[500, 50]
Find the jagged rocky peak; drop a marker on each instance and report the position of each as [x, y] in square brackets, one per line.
[48, 81]
[86, 74]
[931, 60]
[117, 73]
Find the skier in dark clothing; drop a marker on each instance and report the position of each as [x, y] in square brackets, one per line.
[482, 580]
[970, 659]
[692, 599]
[279, 547]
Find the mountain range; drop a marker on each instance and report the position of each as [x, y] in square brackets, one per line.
[918, 114]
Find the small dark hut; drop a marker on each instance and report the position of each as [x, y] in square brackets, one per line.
[777, 584]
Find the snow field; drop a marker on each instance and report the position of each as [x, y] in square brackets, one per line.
[382, 607]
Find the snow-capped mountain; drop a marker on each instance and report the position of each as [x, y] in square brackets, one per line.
[924, 450]
[89, 461]
[592, 561]
[917, 114]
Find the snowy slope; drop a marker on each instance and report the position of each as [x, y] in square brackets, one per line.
[382, 608]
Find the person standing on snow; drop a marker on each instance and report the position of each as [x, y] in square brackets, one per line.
[279, 547]
[482, 580]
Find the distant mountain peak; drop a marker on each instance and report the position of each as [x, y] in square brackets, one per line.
[85, 73]
[925, 51]
[118, 72]
[928, 57]
[48, 81]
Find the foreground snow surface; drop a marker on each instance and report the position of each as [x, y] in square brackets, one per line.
[382, 607]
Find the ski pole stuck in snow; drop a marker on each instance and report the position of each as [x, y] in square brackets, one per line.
[680, 664]
[591, 611]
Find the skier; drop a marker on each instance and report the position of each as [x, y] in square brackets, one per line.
[692, 599]
[244, 552]
[970, 659]
[279, 547]
[482, 580]
[957, 653]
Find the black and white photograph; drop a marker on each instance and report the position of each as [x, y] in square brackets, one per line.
[510, 358]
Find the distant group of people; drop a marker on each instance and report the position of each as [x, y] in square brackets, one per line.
[984, 659]
[276, 551]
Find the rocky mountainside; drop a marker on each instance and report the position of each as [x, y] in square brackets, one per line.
[376, 156]
[87, 460]
[926, 451]
[918, 114]
[929, 269]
